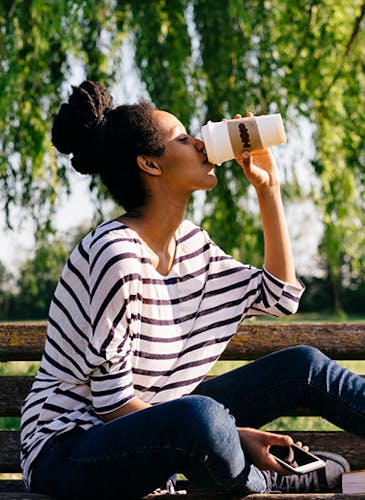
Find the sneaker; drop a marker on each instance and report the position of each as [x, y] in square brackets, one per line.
[327, 479]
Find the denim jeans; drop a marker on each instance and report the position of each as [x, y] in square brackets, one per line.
[196, 434]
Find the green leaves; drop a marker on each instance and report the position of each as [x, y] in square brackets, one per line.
[163, 54]
[200, 59]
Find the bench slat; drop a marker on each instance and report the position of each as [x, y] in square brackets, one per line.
[14, 490]
[337, 340]
[25, 341]
[206, 494]
[303, 496]
[9, 451]
[22, 341]
[350, 446]
[13, 390]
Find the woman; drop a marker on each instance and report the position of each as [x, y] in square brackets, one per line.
[145, 306]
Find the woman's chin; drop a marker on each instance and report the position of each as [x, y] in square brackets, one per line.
[212, 181]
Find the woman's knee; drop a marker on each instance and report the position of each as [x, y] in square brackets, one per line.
[206, 418]
[202, 410]
[307, 353]
[304, 359]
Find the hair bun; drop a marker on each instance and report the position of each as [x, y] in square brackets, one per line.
[77, 128]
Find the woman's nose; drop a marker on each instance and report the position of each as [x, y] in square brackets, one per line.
[199, 144]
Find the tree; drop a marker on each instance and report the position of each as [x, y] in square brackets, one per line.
[5, 291]
[38, 278]
[200, 59]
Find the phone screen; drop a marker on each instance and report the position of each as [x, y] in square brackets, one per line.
[302, 457]
[295, 459]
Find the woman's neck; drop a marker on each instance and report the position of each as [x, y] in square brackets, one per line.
[157, 232]
[156, 225]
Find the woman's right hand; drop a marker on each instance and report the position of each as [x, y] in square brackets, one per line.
[257, 446]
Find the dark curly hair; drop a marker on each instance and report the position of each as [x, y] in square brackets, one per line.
[106, 140]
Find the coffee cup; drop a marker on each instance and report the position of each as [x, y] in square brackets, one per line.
[227, 139]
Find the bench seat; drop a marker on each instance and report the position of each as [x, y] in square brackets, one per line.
[341, 341]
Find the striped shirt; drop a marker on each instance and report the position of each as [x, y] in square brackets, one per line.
[118, 329]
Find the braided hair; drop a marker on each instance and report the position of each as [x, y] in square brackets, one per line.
[106, 141]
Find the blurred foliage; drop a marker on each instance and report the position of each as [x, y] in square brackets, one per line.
[38, 277]
[201, 59]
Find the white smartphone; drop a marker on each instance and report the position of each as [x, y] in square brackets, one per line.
[296, 460]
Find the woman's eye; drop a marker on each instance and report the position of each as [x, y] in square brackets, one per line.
[183, 138]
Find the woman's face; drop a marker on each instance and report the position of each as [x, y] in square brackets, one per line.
[184, 164]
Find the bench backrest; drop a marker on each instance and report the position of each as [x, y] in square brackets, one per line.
[341, 341]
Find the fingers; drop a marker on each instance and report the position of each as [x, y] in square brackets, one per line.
[272, 464]
[248, 115]
[237, 116]
[300, 444]
[279, 439]
[270, 461]
[244, 160]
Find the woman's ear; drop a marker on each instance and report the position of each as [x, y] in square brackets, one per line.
[148, 165]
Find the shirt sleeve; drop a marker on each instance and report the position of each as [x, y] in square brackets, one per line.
[275, 297]
[111, 292]
[257, 290]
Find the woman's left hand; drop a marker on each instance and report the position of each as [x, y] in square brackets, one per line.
[259, 166]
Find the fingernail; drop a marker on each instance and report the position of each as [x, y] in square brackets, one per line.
[245, 155]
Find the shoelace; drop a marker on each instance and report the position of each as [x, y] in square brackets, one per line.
[292, 484]
[170, 489]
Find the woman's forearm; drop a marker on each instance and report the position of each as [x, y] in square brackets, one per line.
[132, 406]
[261, 170]
[278, 252]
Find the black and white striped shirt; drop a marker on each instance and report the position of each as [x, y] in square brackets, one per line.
[118, 329]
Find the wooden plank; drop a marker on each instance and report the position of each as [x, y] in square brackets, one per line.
[350, 446]
[213, 494]
[304, 496]
[24, 496]
[25, 341]
[15, 489]
[337, 340]
[208, 494]
[198, 494]
[13, 390]
[21, 495]
[9, 451]
[22, 341]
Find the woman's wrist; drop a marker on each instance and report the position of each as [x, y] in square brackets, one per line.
[272, 191]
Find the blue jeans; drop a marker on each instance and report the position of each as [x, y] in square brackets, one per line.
[196, 435]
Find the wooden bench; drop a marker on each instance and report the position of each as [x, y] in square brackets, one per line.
[341, 341]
